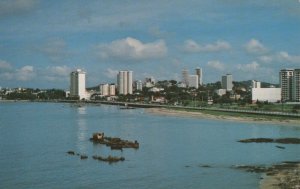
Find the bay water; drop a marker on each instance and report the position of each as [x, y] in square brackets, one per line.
[175, 152]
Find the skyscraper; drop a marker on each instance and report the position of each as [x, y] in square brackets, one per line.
[125, 82]
[193, 81]
[296, 85]
[77, 84]
[227, 82]
[286, 84]
[200, 76]
[185, 77]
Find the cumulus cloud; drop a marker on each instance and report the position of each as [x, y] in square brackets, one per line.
[216, 65]
[193, 47]
[110, 73]
[265, 59]
[285, 56]
[131, 49]
[26, 73]
[252, 67]
[5, 66]
[13, 7]
[254, 46]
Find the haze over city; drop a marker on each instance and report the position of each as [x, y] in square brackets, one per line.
[43, 41]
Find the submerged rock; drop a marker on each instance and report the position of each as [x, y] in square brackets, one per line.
[270, 140]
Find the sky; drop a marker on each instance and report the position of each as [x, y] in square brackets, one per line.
[42, 41]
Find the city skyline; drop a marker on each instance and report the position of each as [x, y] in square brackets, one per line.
[42, 42]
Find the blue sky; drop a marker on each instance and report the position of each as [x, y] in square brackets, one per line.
[41, 41]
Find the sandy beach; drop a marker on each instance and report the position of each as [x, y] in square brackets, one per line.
[201, 115]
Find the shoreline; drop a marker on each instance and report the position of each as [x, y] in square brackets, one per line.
[282, 178]
[203, 115]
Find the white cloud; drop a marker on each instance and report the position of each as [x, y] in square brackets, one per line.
[193, 47]
[4, 66]
[285, 56]
[55, 49]
[26, 73]
[62, 71]
[265, 59]
[12, 7]
[110, 73]
[254, 46]
[132, 49]
[216, 64]
[252, 67]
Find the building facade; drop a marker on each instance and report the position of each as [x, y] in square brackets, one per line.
[255, 84]
[266, 94]
[200, 75]
[124, 80]
[77, 84]
[286, 84]
[139, 85]
[296, 85]
[227, 82]
[185, 77]
[193, 81]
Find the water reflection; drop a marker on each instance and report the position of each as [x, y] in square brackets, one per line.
[81, 129]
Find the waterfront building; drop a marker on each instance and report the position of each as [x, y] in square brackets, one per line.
[104, 89]
[296, 85]
[266, 94]
[185, 77]
[200, 75]
[286, 84]
[112, 89]
[193, 81]
[256, 84]
[77, 84]
[139, 85]
[227, 82]
[124, 80]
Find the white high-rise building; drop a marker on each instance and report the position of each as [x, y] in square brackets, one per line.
[125, 82]
[104, 89]
[139, 85]
[200, 75]
[286, 84]
[185, 77]
[256, 84]
[112, 89]
[77, 84]
[227, 82]
[193, 81]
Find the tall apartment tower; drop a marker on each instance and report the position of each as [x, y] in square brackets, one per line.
[227, 82]
[296, 85]
[286, 84]
[125, 82]
[194, 81]
[200, 76]
[185, 77]
[77, 84]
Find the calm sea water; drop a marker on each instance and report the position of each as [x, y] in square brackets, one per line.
[34, 139]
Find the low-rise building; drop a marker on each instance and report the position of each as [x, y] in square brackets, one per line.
[266, 94]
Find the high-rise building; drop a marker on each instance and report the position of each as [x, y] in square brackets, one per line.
[185, 77]
[125, 82]
[77, 84]
[193, 81]
[256, 84]
[104, 89]
[296, 85]
[139, 85]
[286, 84]
[112, 89]
[200, 75]
[227, 82]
